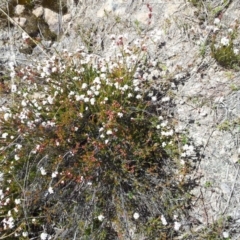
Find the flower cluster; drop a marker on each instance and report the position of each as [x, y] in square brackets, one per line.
[223, 48]
[85, 129]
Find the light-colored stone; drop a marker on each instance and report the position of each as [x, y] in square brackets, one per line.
[66, 18]
[52, 19]
[38, 12]
[112, 6]
[19, 9]
[21, 21]
[234, 158]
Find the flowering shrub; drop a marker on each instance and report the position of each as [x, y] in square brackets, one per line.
[88, 150]
[225, 53]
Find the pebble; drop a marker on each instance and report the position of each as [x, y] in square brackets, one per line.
[19, 9]
[38, 12]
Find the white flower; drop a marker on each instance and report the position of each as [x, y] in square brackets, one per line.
[25, 234]
[138, 96]
[89, 92]
[164, 221]
[109, 132]
[7, 116]
[8, 223]
[112, 36]
[103, 69]
[136, 82]
[189, 150]
[24, 103]
[116, 84]
[92, 101]
[236, 51]
[165, 99]
[97, 80]
[226, 234]
[177, 226]
[1, 194]
[86, 99]
[16, 157]
[136, 89]
[216, 21]
[84, 85]
[183, 154]
[130, 95]
[25, 36]
[54, 174]
[54, 69]
[182, 162]
[7, 201]
[215, 29]
[96, 92]
[136, 215]
[154, 98]
[50, 190]
[164, 124]
[98, 86]
[43, 171]
[4, 135]
[17, 201]
[19, 146]
[50, 100]
[12, 74]
[79, 97]
[101, 217]
[43, 236]
[13, 88]
[120, 114]
[225, 41]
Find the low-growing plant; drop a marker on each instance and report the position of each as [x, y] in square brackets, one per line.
[219, 230]
[86, 150]
[225, 53]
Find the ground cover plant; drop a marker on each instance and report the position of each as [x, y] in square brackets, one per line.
[223, 50]
[89, 151]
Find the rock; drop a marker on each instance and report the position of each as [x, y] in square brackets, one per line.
[66, 18]
[45, 31]
[31, 26]
[51, 19]
[111, 6]
[26, 50]
[38, 12]
[19, 9]
[38, 27]
[21, 21]
[234, 158]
